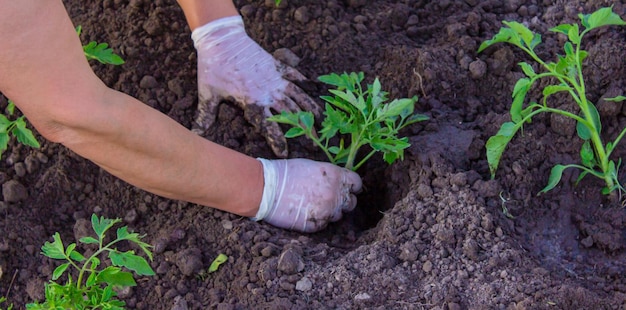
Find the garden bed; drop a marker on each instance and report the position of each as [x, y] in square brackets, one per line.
[430, 232]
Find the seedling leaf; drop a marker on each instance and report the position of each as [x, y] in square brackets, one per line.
[555, 177]
[58, 271]
[131, 261]
[219, 260]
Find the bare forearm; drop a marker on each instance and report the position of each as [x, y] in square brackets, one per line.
[200, 12]
[43, 69]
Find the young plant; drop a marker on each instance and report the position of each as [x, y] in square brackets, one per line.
[567, 72]
[3, 300]
[360, 113]
[17, 128]
[93, 287]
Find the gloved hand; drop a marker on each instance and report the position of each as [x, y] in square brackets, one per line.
[232, 66]
[305, 195]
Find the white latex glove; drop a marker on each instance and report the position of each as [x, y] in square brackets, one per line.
[232, 66]
[306, 195]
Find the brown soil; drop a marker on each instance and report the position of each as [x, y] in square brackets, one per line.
[430, 232]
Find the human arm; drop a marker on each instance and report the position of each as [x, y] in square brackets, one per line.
[231, 66]
[44, 71]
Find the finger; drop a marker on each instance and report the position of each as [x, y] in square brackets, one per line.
[336, 216]
[290, 73]
[286, 104]
[205, 114]
[305, 102]
[350, 204]
[257, 116]
[353, 181]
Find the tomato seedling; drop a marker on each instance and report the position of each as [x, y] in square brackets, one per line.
[360, 113]
[96, 290]
[567, 71]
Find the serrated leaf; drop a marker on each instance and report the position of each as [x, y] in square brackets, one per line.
[54, 249]
[102, 53]
[131, 261]
[58, 271]
[23, 134]
[555, 177]
[102, 224]
[219, 260]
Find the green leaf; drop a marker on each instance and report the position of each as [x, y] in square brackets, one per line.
[89, 240]
[615, 99]
[553, 89]
[131, 261]
[101, 225]
[102, 53]
[395, 108]
[601, 17]
[23, 134]
[519, 94]
[524, 33]
[583, 131]
[587, 156]
[527, 69]
[4, 142]
[506, 35]
[554, 179]
[115, 276]
[76, 256]
[496, 144]
[55, 249]
[294, 132]
[307, 119]
[573, 34]
[58, 271]
[220, 259]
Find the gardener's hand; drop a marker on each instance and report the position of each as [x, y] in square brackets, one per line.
[305, 195]
[232, 66]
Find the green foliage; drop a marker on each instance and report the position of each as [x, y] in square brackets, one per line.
[277, 2]
[3, 300]
[100, 52]
[567, 71]
[17, 127]
[217, 262]
[93, 288]
[362, 114]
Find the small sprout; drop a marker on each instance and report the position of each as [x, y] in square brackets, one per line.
[219, 260]
[362, 114]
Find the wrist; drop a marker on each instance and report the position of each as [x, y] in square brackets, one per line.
[202, 12]
[269, 183]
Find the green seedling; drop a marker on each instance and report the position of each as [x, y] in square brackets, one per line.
[93, 287]
[17, 128]
[567, 72]
[3, 300]
[360, 113]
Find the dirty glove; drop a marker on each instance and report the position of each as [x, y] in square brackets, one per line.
[305, 195]
[232, 66]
